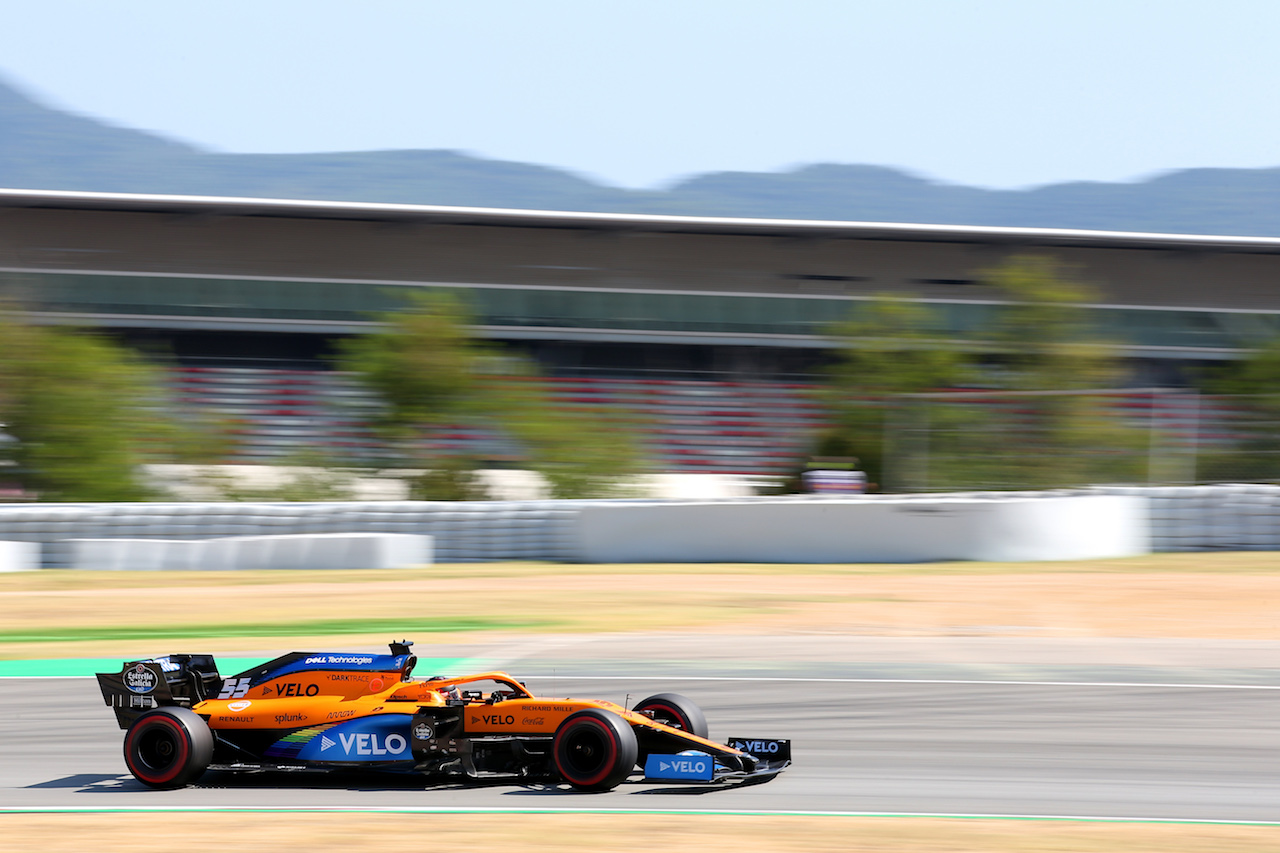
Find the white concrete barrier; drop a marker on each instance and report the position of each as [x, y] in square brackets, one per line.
[302, 551]
[898, 527]
[865, 530]
[19, 556]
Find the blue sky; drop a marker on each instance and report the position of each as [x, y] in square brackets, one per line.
[989, 93]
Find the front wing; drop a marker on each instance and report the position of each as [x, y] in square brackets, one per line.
[773, 756]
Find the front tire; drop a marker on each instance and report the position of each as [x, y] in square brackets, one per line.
[676, 711]
[168, 747]
[595, 750]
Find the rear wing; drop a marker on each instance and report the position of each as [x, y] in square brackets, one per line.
[141, 685]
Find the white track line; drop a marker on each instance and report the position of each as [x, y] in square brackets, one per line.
[619, 811]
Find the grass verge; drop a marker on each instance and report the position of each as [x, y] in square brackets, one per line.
[323, 628]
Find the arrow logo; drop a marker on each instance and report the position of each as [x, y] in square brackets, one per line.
[325, 743]
[664, 765]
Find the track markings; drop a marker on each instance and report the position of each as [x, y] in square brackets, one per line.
[462, 810]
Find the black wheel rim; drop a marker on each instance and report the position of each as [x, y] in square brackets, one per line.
[585, 750]
[157, 748]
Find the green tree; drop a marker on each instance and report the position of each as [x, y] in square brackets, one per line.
[1058, 427]
[892, 359]
[82, 415]
[580, 451]
[903, 393]
[1250, 389]
[429, 372]
[424, 367]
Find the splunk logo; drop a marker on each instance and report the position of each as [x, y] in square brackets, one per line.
[360, 744]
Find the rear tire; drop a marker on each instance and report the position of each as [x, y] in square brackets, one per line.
[168, 747]
[595, 750]
[676, 711]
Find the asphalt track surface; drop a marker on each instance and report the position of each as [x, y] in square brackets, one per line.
[1164, 750]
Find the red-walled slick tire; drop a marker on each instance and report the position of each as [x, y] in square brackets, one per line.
[676, 711]
[595, 750]
[168, 747]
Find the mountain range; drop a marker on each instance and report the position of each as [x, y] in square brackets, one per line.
[43, 148]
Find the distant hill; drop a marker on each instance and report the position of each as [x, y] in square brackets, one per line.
[42, 148]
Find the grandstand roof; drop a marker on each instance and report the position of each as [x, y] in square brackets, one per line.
[433, 214]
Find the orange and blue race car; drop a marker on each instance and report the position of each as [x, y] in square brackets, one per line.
[327, 711]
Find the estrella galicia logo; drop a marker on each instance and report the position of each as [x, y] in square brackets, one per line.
[140, 679]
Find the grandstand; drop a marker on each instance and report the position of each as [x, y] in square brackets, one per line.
[714, 329]
[702, 427]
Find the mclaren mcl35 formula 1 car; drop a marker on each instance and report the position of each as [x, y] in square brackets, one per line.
[322, 711]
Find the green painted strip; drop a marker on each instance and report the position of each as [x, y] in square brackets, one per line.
[315, 628]
[514, 810]
[86, 667]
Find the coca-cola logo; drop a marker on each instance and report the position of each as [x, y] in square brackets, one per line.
[140, 679]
